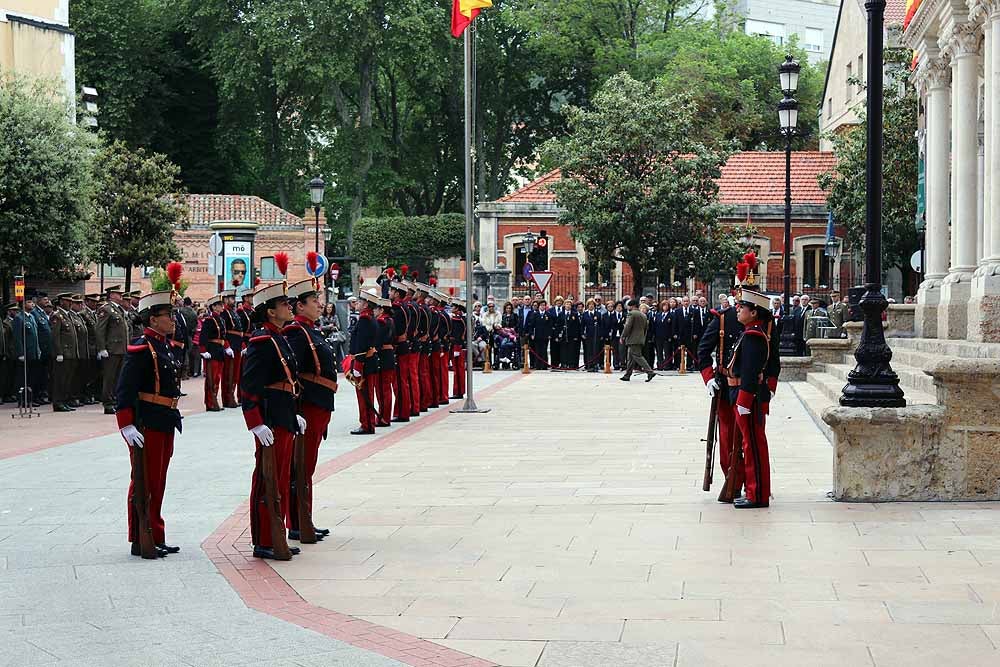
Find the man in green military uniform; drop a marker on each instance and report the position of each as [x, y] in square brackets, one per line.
[112, 341]
[634, 338]
[837, 312]
[84, 354]
[8, 358]
[65, 354]
[91, 370]
[134, 321]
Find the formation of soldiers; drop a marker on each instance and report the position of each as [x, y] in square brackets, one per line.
[267, 351]
[67, 351]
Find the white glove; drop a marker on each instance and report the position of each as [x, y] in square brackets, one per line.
[103, 354]
[229, 352]
[356, 373]
[206, 355]
[132, 436]
[59, 358]
[263, 434]
[302, 423]
[743, 411]
[21, 358]
[458, 354]
[713, 387]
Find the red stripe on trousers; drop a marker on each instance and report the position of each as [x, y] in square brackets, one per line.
[401, 404]
[157, 449]
[727, 422]
[213, 375]
[260, 520]
[366, 414]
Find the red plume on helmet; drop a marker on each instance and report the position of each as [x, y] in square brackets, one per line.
[751, 260]
[742, 269]
[174, 271]
[432, 281]
[281, 262]
[312, 260]
[391, 272]
[404, 269]
[256, 281]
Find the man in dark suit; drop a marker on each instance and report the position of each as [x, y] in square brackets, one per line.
[540, 335]
[699, 318]
[662, 329]
[681, 327]
[524, 327]
[557, 320]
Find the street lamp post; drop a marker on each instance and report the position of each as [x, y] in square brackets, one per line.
[316, 188]
[873, 383]
[788, 117]
[529, 247]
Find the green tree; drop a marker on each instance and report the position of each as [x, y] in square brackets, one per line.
[846, 184]
[394, 239]
[136, 210]
[46, 180]
[636, 187]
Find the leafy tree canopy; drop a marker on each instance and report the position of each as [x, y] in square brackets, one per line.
[45, 179]
[135, 214]
[636, 187]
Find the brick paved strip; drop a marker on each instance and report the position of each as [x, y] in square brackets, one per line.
[263, 589]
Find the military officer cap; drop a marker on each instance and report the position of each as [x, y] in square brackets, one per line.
[93, 297]
[212, 300]
[228, 293]
[372, 296]
[421, 287]
[399, 284]
[302, 289]
[156, 300]
[77, 298]
[458, 302]
[750, 298]
[67, 296]
[10, 306]
[439, 296]
[269, 296]
[114, 289]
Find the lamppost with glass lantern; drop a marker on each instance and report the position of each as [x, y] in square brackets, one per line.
[788, 117]
[873, 383]
[529, 246]
[316, 188]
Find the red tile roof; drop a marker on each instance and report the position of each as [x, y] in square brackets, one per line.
[895, 11]
[752, 177]
[206, 209]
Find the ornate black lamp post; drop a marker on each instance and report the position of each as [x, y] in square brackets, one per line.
[873, 383]
[529, 247]
[316, 187]
[788, 116]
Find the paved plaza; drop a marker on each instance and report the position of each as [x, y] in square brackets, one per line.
[565, 528]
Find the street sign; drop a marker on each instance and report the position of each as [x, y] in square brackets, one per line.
[322, 264]
[334, 271]
[915, 262]
[541, 280]
[528, 270]
[19, 288]
[215, 244]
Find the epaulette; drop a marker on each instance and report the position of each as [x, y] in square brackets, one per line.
[755, 332]
[364, 315]
[138, 345]
[262, 337]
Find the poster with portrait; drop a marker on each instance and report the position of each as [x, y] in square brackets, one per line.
[237, 264]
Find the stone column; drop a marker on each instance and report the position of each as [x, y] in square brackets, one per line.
[984, 302]
[935, 76]
[487, 241]
[953, 313]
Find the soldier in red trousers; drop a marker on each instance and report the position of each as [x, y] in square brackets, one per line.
[751, 356]
[404, 358]
[715, 349]
[387, 361]
[413, 335]
[428, 327]
[234, 336]
[146, 408]
[214, 350]
[458, 345]
[317, 363]
[269, 383]
[365, 360]
[444, 351]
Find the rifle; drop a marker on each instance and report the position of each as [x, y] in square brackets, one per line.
[272, 501]
[300, 497]
[713, 425]
[734, 476]
[140, 505]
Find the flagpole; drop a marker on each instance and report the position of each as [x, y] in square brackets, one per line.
[470, 401]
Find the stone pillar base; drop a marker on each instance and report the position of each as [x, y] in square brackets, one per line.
[984, 305]
[900, 320]
[949, 451]
[795, 369]
[925, 316]
[953, 313]
[828, 351]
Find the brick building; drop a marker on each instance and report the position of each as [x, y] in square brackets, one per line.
[276, 230]
[752, 183]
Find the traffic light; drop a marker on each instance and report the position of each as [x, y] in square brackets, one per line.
[540, 255]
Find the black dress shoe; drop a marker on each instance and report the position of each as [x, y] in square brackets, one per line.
[650, 376]
[401, 420]
[61, 407]
[169, 549]
[213, 409]
[322, 531]
[745, 504]
[75, 404]
[183, 394]
[625, 378]
[266, 552]
[294, 534]
[382, 424]
[109, 411]
[295, 550]
[362, 431]
[137, 551]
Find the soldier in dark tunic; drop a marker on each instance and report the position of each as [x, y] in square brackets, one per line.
[270, 386]
[459, 346]
[213, 342]
[146, 409]
[365, 361]
[715, 349]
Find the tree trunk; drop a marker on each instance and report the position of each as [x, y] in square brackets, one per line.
[636, 280]
[128, 277]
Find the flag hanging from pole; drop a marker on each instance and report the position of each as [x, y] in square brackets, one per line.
[463, 12]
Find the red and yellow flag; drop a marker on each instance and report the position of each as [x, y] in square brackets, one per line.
[463, 12]
[911, 9]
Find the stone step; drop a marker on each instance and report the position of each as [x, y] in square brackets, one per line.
[911, 378]
[831, 385]
[947, 348]
[814, 401]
